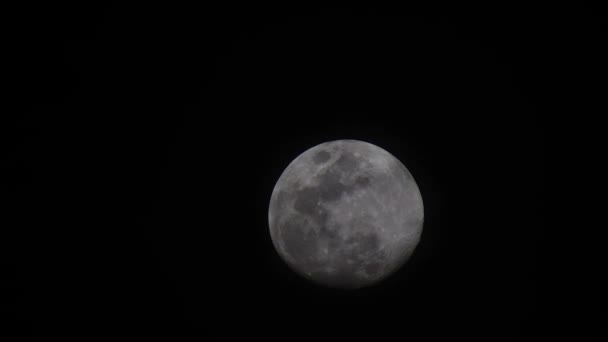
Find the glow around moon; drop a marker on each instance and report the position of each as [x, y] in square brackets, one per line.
[345, 214]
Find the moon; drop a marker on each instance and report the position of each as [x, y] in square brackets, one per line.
[345, 214]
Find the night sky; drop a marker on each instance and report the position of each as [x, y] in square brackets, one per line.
[149, 138]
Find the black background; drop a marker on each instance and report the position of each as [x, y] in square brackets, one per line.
[148, 140]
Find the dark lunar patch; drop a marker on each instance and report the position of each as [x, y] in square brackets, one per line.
[330, 187]
[362, 181]
[301, 244]
[306, 201]
[347, 162]
[328, 233]
[321, 157]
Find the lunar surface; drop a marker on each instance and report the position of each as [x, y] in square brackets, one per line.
[345, 214]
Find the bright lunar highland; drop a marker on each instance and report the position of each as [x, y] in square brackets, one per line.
[345, 214]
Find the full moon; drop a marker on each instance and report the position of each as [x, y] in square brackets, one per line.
[345, 214]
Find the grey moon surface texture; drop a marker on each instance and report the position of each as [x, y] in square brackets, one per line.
[345, 214]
